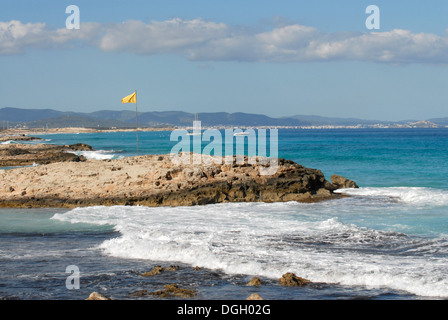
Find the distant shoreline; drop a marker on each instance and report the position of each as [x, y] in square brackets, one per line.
[75, 130]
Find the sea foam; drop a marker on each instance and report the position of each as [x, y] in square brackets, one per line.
[408, 195]
[271, 239]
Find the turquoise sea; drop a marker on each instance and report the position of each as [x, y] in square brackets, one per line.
[388, 241]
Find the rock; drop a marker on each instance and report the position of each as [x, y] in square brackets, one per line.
[153, 272]
[255, 281]
[149, 181]
[340, 182]
[290, 279]
[172, 290]
[80, 147]
[254, 296]
[12, 155]
[18, 137]
[97, 296]
[171, 268]
[158, 270]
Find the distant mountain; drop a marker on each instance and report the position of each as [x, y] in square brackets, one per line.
[41, 118]
[25, 115]
[440, 121]
[79, 121]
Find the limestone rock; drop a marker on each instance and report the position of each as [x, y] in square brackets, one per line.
[255, 281]
[254, 296]
[97, 296]
[155, 180]
[290, 279]
[340, 182]
[172, 290]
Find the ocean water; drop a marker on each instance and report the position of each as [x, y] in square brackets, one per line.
[387, 241]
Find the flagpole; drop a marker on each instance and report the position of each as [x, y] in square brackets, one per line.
[136, 120]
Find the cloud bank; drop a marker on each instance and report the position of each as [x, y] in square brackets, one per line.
[201, 40]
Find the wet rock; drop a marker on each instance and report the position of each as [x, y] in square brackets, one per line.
[97, 296]
[255, 281]
[172, 290]
[80, 147]
[290, 279]
[340, 182]
[153, 272]
[254, 296]
[159, 269]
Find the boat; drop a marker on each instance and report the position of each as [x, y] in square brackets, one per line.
[195, 133]
[241, 133]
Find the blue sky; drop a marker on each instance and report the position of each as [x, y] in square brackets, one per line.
[277, 58]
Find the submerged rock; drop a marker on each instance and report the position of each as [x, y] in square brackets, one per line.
[172, 290]
[158, 270]
[255, 281]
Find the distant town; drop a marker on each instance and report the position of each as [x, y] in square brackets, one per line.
[46, 119]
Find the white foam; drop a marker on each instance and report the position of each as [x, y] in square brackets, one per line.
[409, 195]
[96, 155]
[269, 240]
[8, 142]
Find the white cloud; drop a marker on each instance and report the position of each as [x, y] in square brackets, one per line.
[16, 37]
[210, 41]
[172, 36]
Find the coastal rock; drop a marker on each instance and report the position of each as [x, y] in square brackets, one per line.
[155, 180]
[18, 137]
[158, 270]
[97, 296]
[340, 182]
[290, 279]
[255, 281]
[12, 155]
[254, 296]
[172, 290]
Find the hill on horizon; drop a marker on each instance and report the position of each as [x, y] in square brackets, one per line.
[49, 118]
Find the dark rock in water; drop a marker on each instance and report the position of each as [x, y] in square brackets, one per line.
[340, 182]
[172, 290]
[18, 137]
[15, 155]
[255, 281]
[290, 279]
[158, 270]
[80, 147]
[153, 272]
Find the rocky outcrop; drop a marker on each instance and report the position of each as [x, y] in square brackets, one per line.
[341, 182]
[290, 279]
[97, 296]
[154, 180]
[12, 155]
[18, 137]
[254, 296]
[255, 281]
[172, 290]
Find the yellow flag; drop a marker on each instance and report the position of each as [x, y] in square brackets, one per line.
[132, 98]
